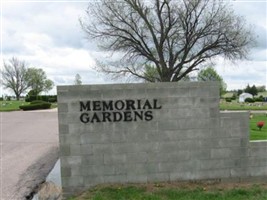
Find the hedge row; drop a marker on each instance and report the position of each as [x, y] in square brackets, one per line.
[36, 105]
[47, 98]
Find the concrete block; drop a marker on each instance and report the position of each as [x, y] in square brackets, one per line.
[90, 181]
[65, 171]
[136, 136]
[63, 129]
[112, 159]
[138, 157]
[142, 168]
[87, 149]
[216, 164]
[257, 171]
[116, 137]
[119, 169]
[213, 174]
[75, 150]
[93, 160]
[258, 152]
[158, 177]
[70, 161]
[101, 148]
[115, 179]
[220, 153]
[63, 108]
[195, 92]
[64, 150]
[93, 170]
[257, 162]
[238, 172]
[147, 147]
[214, 91]
[75, 181]
[94, 138]
[118, 148]
[202, 154]
[69, 139]
[181, 176]
[133, 178]
[227, 142]
[172, 167]
[76, 171]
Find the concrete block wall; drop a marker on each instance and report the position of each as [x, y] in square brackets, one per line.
[187, 139]
[257, 160]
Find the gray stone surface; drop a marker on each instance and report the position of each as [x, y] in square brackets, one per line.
[188, 138]
[29, 150]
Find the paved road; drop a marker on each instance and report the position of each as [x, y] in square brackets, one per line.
[29, 149]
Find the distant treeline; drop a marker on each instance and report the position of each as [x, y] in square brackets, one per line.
[47, 98]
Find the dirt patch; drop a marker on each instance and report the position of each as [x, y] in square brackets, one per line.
[36, 174]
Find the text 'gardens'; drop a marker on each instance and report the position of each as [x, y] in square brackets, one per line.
[119, 110]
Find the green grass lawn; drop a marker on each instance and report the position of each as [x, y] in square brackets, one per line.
[255, 133]
[173, 193]
[11, 105]
[242, 106]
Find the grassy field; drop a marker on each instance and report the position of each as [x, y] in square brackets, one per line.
[11, 105]
[255, 133]
[6, 106]
[174, 193]
[242, 106]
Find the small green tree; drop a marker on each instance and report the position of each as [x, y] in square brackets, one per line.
[37, 81]
[78, 80]
[210, 74]
[247, 89]
[251, 90]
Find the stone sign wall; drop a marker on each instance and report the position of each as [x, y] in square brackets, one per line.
[131, 133]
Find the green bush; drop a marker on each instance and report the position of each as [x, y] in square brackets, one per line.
[249, 100]
[259, 99]
[36, 105]
[228, 99]
[37, 102]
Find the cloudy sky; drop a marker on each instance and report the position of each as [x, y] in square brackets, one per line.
[46, 34]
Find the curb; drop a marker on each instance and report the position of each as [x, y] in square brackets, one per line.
[54, 176]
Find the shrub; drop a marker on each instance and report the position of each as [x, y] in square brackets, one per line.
[36, 105]
[249, 100]
[259, 99]
[228, 99]
[37, 102]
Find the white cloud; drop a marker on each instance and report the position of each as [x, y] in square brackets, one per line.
[49, 36]
[241, 73]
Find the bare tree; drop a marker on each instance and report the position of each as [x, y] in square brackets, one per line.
[14, 76]
[173, 36]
